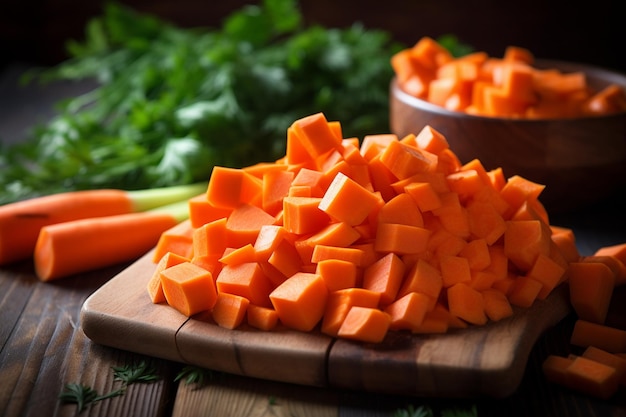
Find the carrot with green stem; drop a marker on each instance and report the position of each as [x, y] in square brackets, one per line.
[21, 222]
[82, 245]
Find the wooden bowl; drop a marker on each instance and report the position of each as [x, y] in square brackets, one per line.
[580, 160]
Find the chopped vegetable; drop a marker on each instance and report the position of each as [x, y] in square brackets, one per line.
[591, 289]
[510, 86]
[21, 222]
[358, 263]
[188, 288]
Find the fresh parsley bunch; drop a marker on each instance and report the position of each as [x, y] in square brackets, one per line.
[170, 103]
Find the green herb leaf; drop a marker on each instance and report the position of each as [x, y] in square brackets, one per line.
[137, 372]
[78, 394]
[194, 375]
[170, 103]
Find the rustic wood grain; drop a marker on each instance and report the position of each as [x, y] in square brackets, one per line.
[486, 360]
[232, 395]
[43, 348]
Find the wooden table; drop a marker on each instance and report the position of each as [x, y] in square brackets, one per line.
[43, 348]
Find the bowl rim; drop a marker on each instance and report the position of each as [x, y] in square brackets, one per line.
[591, 71]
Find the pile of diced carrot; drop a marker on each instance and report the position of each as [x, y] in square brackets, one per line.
[508, 86]
[359, 238]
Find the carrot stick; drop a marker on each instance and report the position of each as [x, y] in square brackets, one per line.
[587, 333]
[72, 247]
[21, 222]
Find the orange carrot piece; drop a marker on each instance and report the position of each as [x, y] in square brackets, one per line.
[403, 160]
[324, 252]
[485, 222]
[315, 134]
[465, 183]
[244, 224]
[365, 324]
[609, 359]
[422, 278]
[524, 291]
[454, 269]
[548, 272]
[496, 304]
[21, 222]
[261, 168]
[229, 310]
[450, 245]
[566, 242]
[229, 187]
[269, 237]
[424, 195]
[409, 311]
[286, 258]
[431, 140]
[310, 178]
[436, 320]
[482, 280]
[611, 99]
[554, 368]
[210, 239]
[519, 189]
[235, 256]
[339, 303]
[615, 265]
[337, 274]
[335, 234]
[81, 245]
[591, 288]
[382, 178]
[202, 212]
[262, 318]
[155, 290]
[401, 239]
[188, 288]
[401, 209]
[499, 262]
[466, 303]
[347, 201]
[524, 240]
[296, 154]
[276, 186]
[208, 262]
[603, 337]
[518, 54]
[617, 251]
[302, 215]
[385, 277]
[374, 145]
[452, 215]
[177, 239]
[300, 301]
[592, 378]
[246, 280]
[476, 252]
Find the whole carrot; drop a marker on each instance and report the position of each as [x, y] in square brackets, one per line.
[82, 245]
[21, 222]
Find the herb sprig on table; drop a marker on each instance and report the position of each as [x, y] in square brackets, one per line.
[83, 395]
[170, 103]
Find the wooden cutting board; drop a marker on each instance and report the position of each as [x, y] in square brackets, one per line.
[479, 361]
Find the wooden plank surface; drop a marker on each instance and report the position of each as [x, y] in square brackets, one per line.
[43, 348]
[484, 360]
